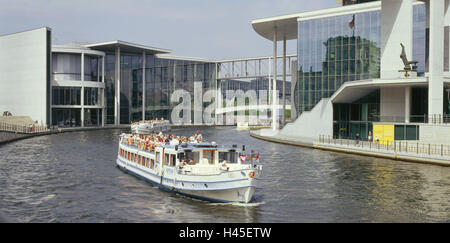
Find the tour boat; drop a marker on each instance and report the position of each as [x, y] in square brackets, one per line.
[146, 127]
[203, 171]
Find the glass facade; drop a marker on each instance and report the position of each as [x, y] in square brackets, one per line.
[419, 38]
[92, 97]
[110, 88]
[356, 117]
[337, 49]
[66, 117]
[256, 85]
[130, 67]
[66, 96]
[66, 66]
[93, 68]
[69, 102]
[92, 117]
[162, 77]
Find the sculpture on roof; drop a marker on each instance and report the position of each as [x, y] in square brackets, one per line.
[406, 62]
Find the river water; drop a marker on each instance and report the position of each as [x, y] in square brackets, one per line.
[72, 177]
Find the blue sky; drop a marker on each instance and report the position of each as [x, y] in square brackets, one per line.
[211, 29]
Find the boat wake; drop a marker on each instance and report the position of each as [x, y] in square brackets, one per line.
[240, 204]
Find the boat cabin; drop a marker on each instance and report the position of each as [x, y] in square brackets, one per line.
[197, 154]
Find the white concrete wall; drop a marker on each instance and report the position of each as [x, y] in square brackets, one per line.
[436, 57]
[396, 28]
[23, 78]
[311, 124]
[392, 101]
[434, 134]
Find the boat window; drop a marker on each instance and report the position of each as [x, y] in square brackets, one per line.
[157, 157]
[173, 158]
[228, 156]
[189, 157]
[151, 163]
[209, 155]
[166, 159]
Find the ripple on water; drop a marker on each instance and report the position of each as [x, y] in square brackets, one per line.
[72, 177]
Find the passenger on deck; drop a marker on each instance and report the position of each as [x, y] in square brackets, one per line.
[192, 138]
[174, 141]
[191, 162]
[224, 165]
[198, 136]
[182, 164]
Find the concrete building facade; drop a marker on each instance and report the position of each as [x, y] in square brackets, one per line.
[94, 84]
[25, 74]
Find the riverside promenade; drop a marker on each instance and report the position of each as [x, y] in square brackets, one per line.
[411, 151]
[10, 136]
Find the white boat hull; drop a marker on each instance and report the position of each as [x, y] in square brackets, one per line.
[232, 186]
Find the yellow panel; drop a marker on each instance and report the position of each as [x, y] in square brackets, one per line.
[385, 134]
[377, 133]
[388, 134]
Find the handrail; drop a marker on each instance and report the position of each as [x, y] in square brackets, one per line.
[396, 146]
[31, 128]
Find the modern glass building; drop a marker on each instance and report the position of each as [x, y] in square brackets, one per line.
[98, 84]
[350, 75]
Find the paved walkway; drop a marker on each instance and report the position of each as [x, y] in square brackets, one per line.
[350, 147]
[274, 136]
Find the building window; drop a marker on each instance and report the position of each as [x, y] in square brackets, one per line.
[66, 66]
[66, 117]
[92, 68]
[66, 96]
[91, 96]
[92, 117]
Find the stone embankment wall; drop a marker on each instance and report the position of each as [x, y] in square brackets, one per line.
[6, 137]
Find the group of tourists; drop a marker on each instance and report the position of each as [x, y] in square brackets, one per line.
[150, 141]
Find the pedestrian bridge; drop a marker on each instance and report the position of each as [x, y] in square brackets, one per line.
[253, 68]
[249, 107]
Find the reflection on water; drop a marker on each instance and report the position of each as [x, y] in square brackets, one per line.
[72, 177]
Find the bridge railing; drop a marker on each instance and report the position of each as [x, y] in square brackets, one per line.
[401, 146]
[33, 128]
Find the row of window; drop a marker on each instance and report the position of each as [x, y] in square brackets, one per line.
[140, 160]
[68, 67]
[72, 96]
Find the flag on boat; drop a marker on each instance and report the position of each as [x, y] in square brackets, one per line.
[242, 157]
